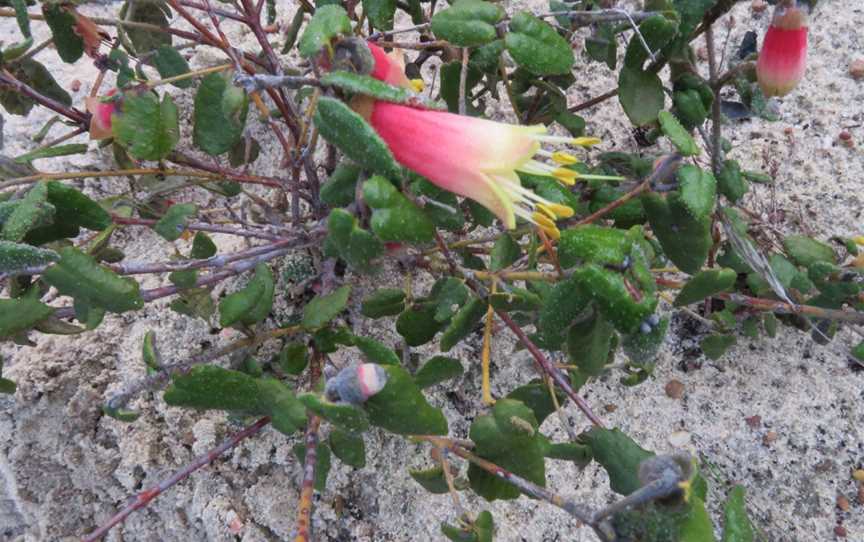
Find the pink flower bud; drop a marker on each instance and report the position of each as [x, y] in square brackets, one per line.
[783, 57]
[389, 67]
[101, 110]
[356, 384]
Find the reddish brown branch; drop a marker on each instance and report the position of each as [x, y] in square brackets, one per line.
[144, 498]
[307, 491]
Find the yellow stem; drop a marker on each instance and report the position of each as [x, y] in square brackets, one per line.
[188, 75]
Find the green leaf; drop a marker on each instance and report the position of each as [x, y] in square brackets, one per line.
[395, 218]
[153, 12]
[467, 23]
[641, 95]
[806, 251]
[736, 525]
[72, 210]
[343, 415]
[17, 315]
[691, 13]
[612, 293]
[237, 153]
[463, 323]
[293, 358]
[401, 408]
[195, 303]
[380, 13]
[697, 525]
[170, 63]
[348, 131]
[602, 46]
[442, 207]
[37, 76]
[384, 302]
[509, 438]
[537, 396]
[149, 353]
[15, 257]
[323, 308]
[449, 294]
[432, 480]
[619, 455]
[80, 277]
[202, 247]
[322, 465]
[173, 223]
[563, 304]
[352, 243]
[252, 303]
[69, 45]
[515, 299]
[588, 344]
[327, 23]
[730, 182]
[537, 47]
[657, 31]
[570, 451]
[220, 114]
[376, 351]
[705, 284]
[437, 370]
[686, 239]
[572, 123]
[716, 345]
[21, 17]
[594, 244]
[504, 253]
[339, 190]
[641, 348]
[348, 447]
[676, 133]
[417, 324]
[147, 128]
[698, 190]
[31, 211]
[120, 414]
[356, 83]
[53, 152]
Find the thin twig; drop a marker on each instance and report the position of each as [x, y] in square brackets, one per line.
[307, 491]
[716, 119]
[463, 81]
[144, 498]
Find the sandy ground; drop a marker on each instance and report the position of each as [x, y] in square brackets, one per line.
[65, 468]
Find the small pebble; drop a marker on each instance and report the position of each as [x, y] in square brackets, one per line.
[758, 6]
[858, 475]
[675, 389]
[856, 69]
[846, 139]
[679, 439]
[75, 85]
[842, 503]
[753, 422]
[840, 531]
[610, 407]
[769, 437]
[861, 493]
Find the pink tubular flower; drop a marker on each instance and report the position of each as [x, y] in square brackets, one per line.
[479, 158]
[472, 157]
[783, 57]
[101, 109]
[389, 67]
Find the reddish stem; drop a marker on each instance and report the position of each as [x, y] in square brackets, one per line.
[144, 498]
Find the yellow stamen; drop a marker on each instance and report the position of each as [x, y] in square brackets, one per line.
[587, 141]
[542, 220]
[565, 176]
[487, 352]
[560, 211]
[859, 240]
[564, 158]
[418, 85]
[547, 211]
[554, 233]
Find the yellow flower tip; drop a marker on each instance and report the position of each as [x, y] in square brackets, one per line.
[859, 240]
[418, 85]
[565, 176]
[554, 233]
[587, 141]
[560, 211]
[564, 158]
[687, 488]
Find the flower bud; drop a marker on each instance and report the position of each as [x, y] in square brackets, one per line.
[783, 57]
[356, 384]
[101, 109]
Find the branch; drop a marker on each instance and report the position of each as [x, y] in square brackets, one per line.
[20, 87]
[144, 498]
[307, 491]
